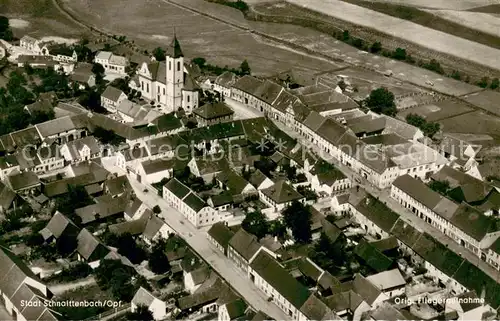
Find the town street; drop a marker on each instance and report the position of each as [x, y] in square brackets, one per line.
[405, 214]
[197, 239]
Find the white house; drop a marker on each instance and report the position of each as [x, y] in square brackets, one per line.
[327, 179]
[157, 307]
[169, 83]
[194, 279]
[260, 181]
[156, 229]
[66, 59]
[220, 235]
[34, 45]
[61, 130]
[468, 306]
[180, 197]
[280, 195]
[113, 64]
[224, 82]
[111, 98]
[80, 150]
[233, 310]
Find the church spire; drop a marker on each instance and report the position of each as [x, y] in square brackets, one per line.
[174, 50]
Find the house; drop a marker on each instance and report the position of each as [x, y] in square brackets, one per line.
[281, 288]
[59, 227]
[467, 305]
[366, 290]
[463, 223]
[37, 61]
[224, 82]
[80, 150]
[194, 279]
[26, 182]
[170, 83]
[234, 183]
[259, 180]
[386, 312]
[113, 64]
[223, 201]
[327, 179]
[213, 113]
[83, 76]
[157, 307]
[134, 209]
[220, 235]
[180, 197]
[19, 285]
[156, 229]
[104, 209]
[61, 130]
[347, 304]
[111, 98]
[280, 195]
[243, 90]
[461, 154]
[233, 310]
[7, 198]
[117, 186]
[372, 257]
[208, 167]
[241, 248]
[391, 282]
[90, 249]
[41, 105]
[73, 58]
[34, 45]
[205, 298]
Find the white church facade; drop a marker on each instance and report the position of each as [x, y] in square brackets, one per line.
[168, 82]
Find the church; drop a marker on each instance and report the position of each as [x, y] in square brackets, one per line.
[169, 82]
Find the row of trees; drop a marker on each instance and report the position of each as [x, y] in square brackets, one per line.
[205, 67]
[428, 128]
[5, 29]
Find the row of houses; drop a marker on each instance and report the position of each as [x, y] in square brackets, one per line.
[441, 263]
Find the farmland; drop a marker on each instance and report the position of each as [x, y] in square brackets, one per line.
[440, 4]
[399, 28]
[151, 23]
[438, 110]
[38, 18]
[478, 123]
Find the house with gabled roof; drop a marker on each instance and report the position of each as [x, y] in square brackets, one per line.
[220, 235]
[463, 223]
[233, 310]
[157, 307]
[80, 150]
[372, 257]
[7, 198]
[224, 82]
[105, 208]
[244, 88]
[58, 227]
[91, 250]
[389, 282]
[61, 130]
[259, 180]
[19, 285]
[111, 98]
[113, 64]
[280, 195]
[347, 304]
[26, 182]
[154, 170]
[208, 167]
[156, 229]
[241, 248]
[189, 204]
[234, 183]
[326, 178]
[213, 113]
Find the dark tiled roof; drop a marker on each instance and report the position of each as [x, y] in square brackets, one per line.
[247, 84]
[282, 192]
[23, 180]
[236, 308]
[221, 233]
[244, 243]
[213, 110]
[473, 222]
[153, 226]
[233, 181]
[59, 225]
[365, 289]
[222, 199]
[373, 257]
[177, 188]
[378, 213]
[194, 202]
[89, 247]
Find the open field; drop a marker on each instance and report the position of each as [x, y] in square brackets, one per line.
[487, 100]
[427, 19]
[329, 46]
[492, 8]
[438, 110]
[480, 21]
[38, 18]
[151, 23]
[474, 123]
[409, 31]
[441, 4]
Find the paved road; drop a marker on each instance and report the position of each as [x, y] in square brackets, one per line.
[197, 239]
[405, 214]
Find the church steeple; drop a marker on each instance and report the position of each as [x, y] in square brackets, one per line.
[174, 50]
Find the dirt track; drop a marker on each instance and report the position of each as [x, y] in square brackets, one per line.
[406, 30]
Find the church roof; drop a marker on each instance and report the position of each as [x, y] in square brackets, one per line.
[174, 50]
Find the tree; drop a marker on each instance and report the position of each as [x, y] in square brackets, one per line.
[40, 116]
[5, 30]
[376, 47]
[245, 68]
[115, 276]
[345, 35]
[76, 197]
[495, 83]
[399, 54]
[429, 129]
[159, 54]
[91, 99]
[456, 75]
[141, 313]
[200, 62]
[127, 246]
[98, 69]
[442, 187]
[381, 101]
[158, 261]
[106, 136]
[415, 120]
[256, 223]
[297, 217]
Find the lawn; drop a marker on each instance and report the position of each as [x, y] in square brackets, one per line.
[43, 18]
[430, 20]
[438, 111]
[87, 293]
[152, 23]
[474, 123]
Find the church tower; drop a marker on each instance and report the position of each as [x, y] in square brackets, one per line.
[175, 75]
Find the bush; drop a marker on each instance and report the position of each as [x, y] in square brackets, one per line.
[157, 209]
[78, 271]
[494, 83]
[376, 47]
[399, 54]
